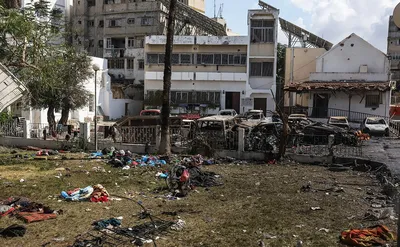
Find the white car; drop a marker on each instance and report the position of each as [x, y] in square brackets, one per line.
[227, 112]
[375, 125]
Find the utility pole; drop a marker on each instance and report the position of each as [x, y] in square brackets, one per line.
[95, 68]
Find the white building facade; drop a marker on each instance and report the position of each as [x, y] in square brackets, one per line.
[352, 77]
[208, 71]
[108, 108]
[262, 59]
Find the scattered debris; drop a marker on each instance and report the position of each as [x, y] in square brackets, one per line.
[178, 226]
[96, 193]
[315, 208]
[376, 235]
[13, 231]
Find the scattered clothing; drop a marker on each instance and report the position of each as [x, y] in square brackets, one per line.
[102, 224]
[99, 194]
[30, 217]
[78, 195]
[13, 231]
[96, 193]
[373, 236]
[204, 178]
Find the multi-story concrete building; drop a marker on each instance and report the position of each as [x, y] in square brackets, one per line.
[116, 30]
[393, 51]
[229, 72]
[208, 72]
[262, 58]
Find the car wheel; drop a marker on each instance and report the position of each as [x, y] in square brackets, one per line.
[387, 133]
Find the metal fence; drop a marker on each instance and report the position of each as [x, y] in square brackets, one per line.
[138, 135]
[180, 137]
[36, 130]
[11, 129]
[316, 112]
[218, 140]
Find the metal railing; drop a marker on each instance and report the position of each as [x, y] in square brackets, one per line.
[11, 129]
[36, 130]
[316, 112]
[138, 135]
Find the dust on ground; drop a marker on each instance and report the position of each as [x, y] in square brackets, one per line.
[256, 202]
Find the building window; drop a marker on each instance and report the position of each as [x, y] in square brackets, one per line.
[137, 42]
[152, 58]
[101, 23]
[262, 31]
[115, 23]
[131, 63]
[131, 42]
[90, 23]
[222, 59]
[131, 20]
[147, 21]
[91, 3]
[198, 97]
[261, 69]
[140, 64]
[91, 43]
[372, 101]
[101, 43]
[91, 103]
[116, 63]
[186, 58]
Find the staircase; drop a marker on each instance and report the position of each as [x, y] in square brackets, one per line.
[11, 89]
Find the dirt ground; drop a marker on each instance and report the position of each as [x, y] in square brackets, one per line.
[256, 202]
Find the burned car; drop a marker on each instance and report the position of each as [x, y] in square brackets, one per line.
[264, 137]
[318, 133]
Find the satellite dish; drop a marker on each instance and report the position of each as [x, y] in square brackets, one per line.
[396, 15]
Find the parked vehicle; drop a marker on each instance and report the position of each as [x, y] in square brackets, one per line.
[253, 115]
[227, 112]
[339, 122]
[150, 112]
[215, 128]
[375, 125]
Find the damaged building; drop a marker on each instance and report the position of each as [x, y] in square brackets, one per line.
[352, 79]
[116, 30]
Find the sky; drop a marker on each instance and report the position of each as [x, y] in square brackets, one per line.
[332, 20]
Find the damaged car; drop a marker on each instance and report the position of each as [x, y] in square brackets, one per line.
[375, 125]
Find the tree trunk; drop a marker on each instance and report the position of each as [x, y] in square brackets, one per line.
[51, 119]
[64, 116]
[284, 134]
[165, 144]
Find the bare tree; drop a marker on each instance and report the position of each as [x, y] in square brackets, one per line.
[165, 145]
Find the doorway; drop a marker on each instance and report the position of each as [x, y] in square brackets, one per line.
[232, 101]
[260, 104]
[320, 105]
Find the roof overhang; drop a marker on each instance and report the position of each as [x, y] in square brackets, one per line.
[338, 86]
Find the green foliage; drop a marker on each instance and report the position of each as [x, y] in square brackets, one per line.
[33, 47]
[5, 117]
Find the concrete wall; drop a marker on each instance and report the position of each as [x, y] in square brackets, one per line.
[350, 54]
[340, 100]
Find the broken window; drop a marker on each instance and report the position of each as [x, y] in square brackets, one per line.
[116, 63]
[161, 58]
[131, 63]
[131, 21]
[140, 64]
[152, 58]
[147, 21]
[186, 58]
[115, 23]
[372, 101]
[262, 31]
[175, 58]
[91, 3]
[261, 69]
[90, 23]
[131, 42]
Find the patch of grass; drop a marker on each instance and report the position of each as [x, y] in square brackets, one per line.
[255, 200]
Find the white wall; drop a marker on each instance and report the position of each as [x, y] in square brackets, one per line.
[350, 54]
[340, 100]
